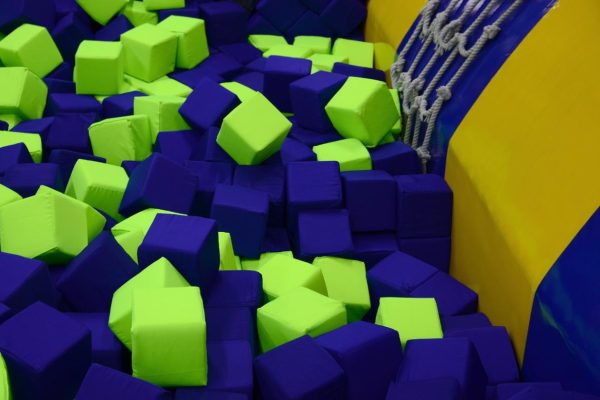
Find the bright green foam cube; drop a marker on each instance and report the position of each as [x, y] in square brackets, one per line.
[412, 318]
[5, 392]
[168, 337]
[162, 112]
[316, 44]
[8, 196]
[122, 138]
[351, 154]
[346, 281]
[30, 46]
[137, 14]
[297, 313]
[397, 128]
[164, 86]
[44, 226]
[98, 184]
[325, 62]
[150, 52]
[23, 93]
[192, 45]
[288, 50]
[281, 274]
[389, 138]
[163, 4]
[253, 131]
[243, 92]
[102, 11]
[363, 109]
[130, 242]
[99, 68]
[358, 53]
[229, 261]
[251, 264]
[32, 141]
[159, 274]
[265, 42]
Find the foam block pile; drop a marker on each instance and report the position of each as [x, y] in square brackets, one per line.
[189, 212]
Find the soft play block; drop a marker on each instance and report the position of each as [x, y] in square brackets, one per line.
[235, 289]
[68, 33]
[312, 185]
[360, 72]
[430, 389]
[114, 29]
[190, 11]
[119, 105]
[232, 204]
[99, 68]
[309, 23]
[8, 196]
[24, 282]
[346, 281]
[102, 11]
[316, 44]
[137, 14]
[106, 348]
[269, 179]
[30, 46]
[250, 141]
[16, 12]
[98, 184]
[280, 72]
[506, 391]
[225, 22]
[163, 113]
[495, 352]
[131, 133]
[216, 67]
[231, 323]
[190, 243]
[351, 154]
[23, 93]
[154, 183]
[212, 151]
[369, 355]
[25, 179]
[39, 126]
[161, 274]
[208, 104]
[312, 138]
[163, 86]
[265, 42]
[66, 160]
[281, 15]
[286, 50]
[453, 298]
[276, 239]
[457, 323]
[180, 145]
[209, 175]
[95, 274]
[309, 97]
[396, 158]
[70, 132]
[228, 260]
[71, 103]
[324, 233]
[101, 382]
[325, 62]
[282, 274]
[230, 366]
[192, 46]
[299, 312]
[242, 92]
[168, 336]
[344, 16]
[434, 251]
[424, 206]
[12, 155]
[363, 109]
[358, 53]
[370, 198]
[260, 26]
[243, 53]
[445, 358]
[150, 52]
[46, 352]
[293, 150]
[163, 4]
[300, 369]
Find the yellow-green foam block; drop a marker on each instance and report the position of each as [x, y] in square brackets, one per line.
[316, 44]
[228, 260]
[282, 273]
[163, 4]
[288, 50]
[164, 86]
[192, 45]
[358, 53]
[265, 42]
[243, 92]
[122, 138]
[102, 11]
[162, 112]
[351, 154]
[8, 196]
[5, 392]
[137, 13]
[325, 62]
[250, 264]
[23, 93]
[99, 68]
[32, 141]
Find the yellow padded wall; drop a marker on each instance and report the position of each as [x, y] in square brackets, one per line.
[389, 20]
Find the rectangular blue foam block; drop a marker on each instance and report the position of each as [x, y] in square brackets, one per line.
[40, 126]
[216, 67]
[231, 323]
[259, 25]
[452, 323]
[112, 31]
[243, 53]
[280, 73]
[212, 151]
[293, 150]
[434, 251]
[253, 79]
[209, 175]
[129, 166]
[225, 22]
[13, 155]
[269, 179]
[324, 233]
[59, 86]
[188, 11]
[452, 297]
[16, 12]
[344, 16]
[276, 240]
[235, 289]
[5, 312]
[430, 389]
[358, 71]
[312, 138]
[208, 104]
[119, 105]
[69, 32]
[181, 146]
[396, 158]
[373, 247]
[230, 366]
[309, 23]
[282, 15]
[66, 159]
[70, 132]
[26, 179]
[63, 103]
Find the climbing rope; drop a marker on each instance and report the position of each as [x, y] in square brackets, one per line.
[447, 37]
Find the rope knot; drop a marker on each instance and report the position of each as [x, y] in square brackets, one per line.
[491, 31]
[444, 92]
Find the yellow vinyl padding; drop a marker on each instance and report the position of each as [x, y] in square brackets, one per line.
[389, 20]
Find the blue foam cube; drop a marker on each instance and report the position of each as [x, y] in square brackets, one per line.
[396, 158]
[235, 289]
[208, 104]
[180, 146]
[112, 31]
[66, 159]
[70, 103]
[209, 175]
[225, 22]
[373, 247]
[358, 71]
[370, 198]
[434, 251]
[13, 155]
[452, 297]
[280, 73]
[344, 16]
[70, 132]
[324, 233]
[292, 150]
[430, 389]
[26, 179]
[453, 323]
[282, 15]
[269, 179]
[119, 105]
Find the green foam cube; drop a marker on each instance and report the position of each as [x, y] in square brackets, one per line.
[358, 53]
[253, 131]
[164, 86]
[192, 45]
[137, 14]
[5, 392]
[23, 93]
[288, 50]
[351, 154]
[98, 184]
[243, 92]
[162, 112]
[316, 44]
[99, 68]
[412, 318]
[130, 242]
[250, 264]
[150, 52]
[282, 273]
[159, 274]
[389, 138]
[8, 196]
[228, 260]
[265, 42]
[45, 226]
[363, 109]
[30, 46]
[298, 313]
[163, 4]
[102, 11]
[325, 62]
[168, 337]
[397, 128]
[32, 141]
[122, 138]
[346, 281]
